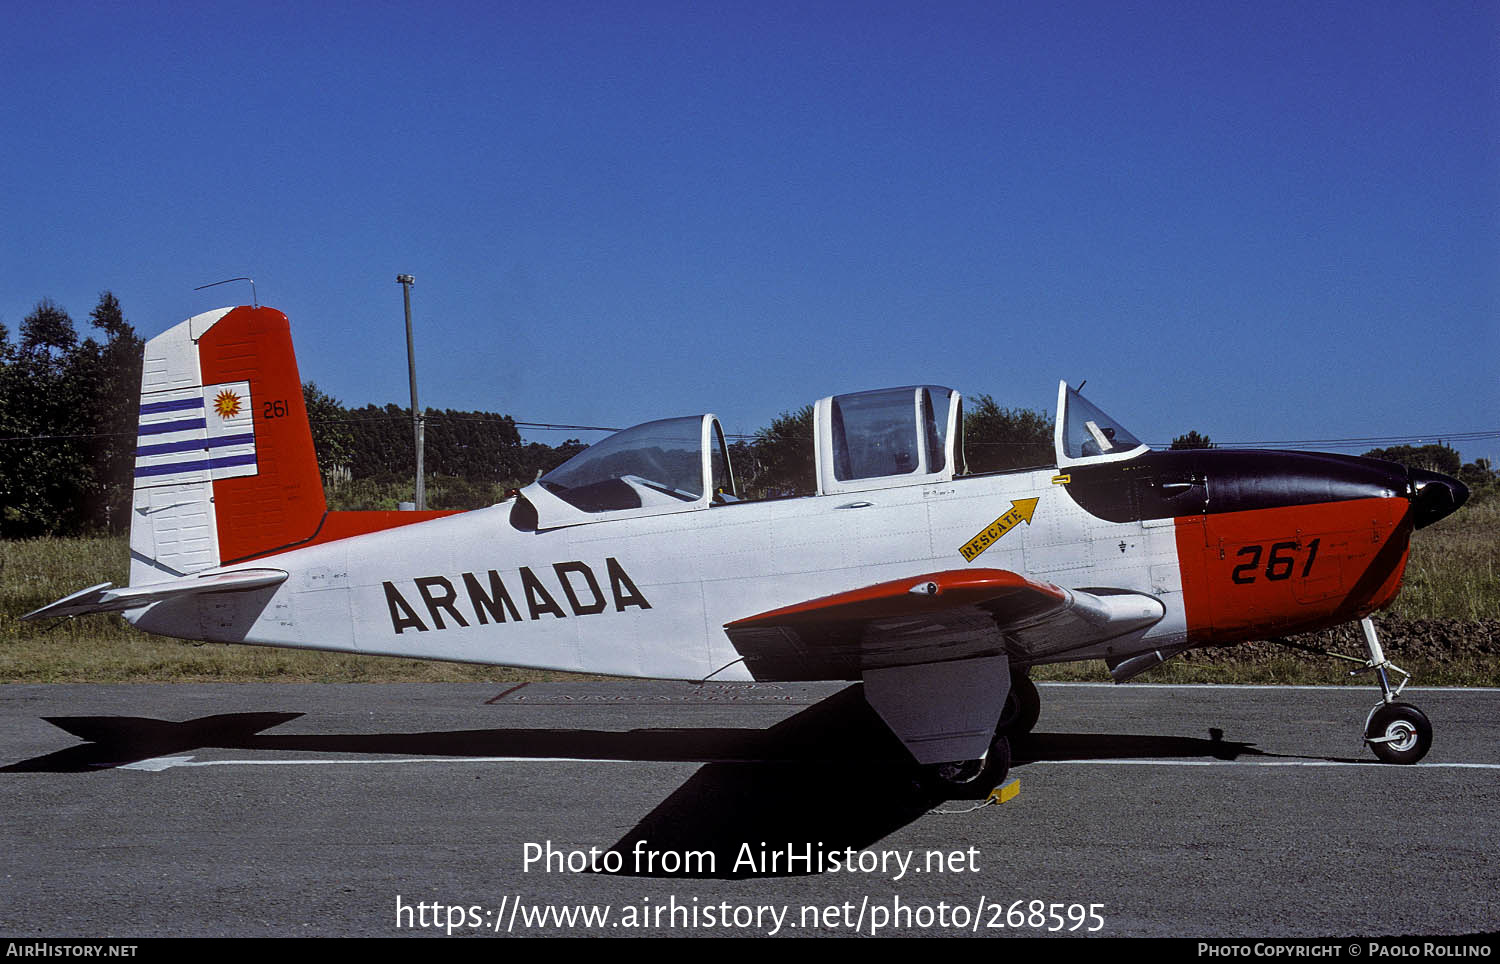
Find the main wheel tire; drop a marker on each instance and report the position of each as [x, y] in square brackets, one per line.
[970, 779]
[1404, 731]
[1022, 708]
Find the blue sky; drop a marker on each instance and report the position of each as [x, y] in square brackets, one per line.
[1258, 220]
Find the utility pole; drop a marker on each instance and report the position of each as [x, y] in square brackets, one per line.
[406, 281]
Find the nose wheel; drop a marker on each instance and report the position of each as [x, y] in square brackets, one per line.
[1398, 732]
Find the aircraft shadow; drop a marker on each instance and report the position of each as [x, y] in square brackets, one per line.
[855, 789]
[841, 726]
[829, 778]
[1052, 747]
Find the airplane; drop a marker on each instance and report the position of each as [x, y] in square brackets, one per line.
[936, 589]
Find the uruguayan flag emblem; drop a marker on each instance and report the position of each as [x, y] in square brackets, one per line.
[195, 435]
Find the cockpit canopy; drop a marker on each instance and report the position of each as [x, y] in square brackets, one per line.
[1085, 435]
[670, 465]
[862, 441]
[893, 436]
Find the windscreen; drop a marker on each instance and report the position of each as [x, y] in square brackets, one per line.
[1089, 432]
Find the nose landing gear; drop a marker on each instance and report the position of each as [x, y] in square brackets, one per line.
[1396, 732]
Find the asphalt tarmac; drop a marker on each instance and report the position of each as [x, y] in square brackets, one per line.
[624, 808]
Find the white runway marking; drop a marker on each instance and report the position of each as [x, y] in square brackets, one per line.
[1347, 687]
[1364, 764]
[157, 764]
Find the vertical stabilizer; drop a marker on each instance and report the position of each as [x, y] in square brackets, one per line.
[225, 468]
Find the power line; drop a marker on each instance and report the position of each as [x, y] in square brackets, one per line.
[1449, 439]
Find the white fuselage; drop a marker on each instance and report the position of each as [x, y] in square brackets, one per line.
[650, 596]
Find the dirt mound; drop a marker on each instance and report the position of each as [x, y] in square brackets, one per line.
[1435, 640]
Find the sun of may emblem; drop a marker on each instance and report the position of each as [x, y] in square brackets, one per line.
[227, 404]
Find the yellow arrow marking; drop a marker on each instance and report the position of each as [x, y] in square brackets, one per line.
[1021, 510]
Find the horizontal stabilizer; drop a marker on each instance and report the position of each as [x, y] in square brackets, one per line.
[103, 599]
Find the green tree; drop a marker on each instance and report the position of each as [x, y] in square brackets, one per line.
[44, 467]
[48, 330]
[68, 411]
[333, 436]
[1433, 458]
[118, 385]
[1477, 474]
[996, 438]
[538, 458]
[780, 459]
[1482, 479]
[1192, 440]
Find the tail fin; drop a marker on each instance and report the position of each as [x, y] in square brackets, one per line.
[225, 468]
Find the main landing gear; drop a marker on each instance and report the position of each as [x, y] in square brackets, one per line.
[974, 779]
[1396, 732]
[1022, 707]
[969, 779]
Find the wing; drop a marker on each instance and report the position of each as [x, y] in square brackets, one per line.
[103, 599]
[932, 618]
[934, 651]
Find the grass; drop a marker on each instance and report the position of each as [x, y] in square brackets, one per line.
[1452, 575]
[1454, 569]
